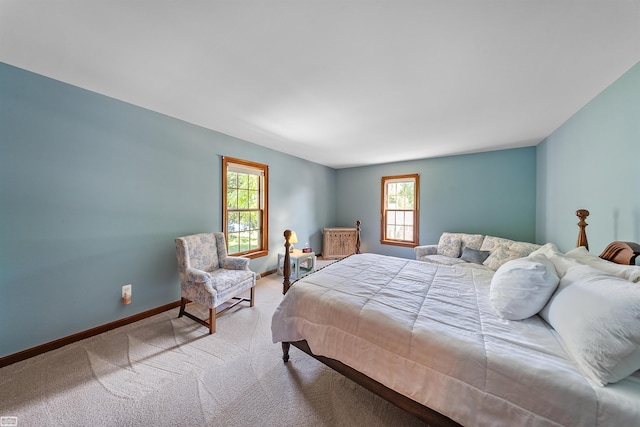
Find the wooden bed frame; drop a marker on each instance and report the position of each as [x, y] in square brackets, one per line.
[618, 252]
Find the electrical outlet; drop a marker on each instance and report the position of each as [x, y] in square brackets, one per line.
[126, 291]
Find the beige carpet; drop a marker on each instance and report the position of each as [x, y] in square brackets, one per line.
[165, 371]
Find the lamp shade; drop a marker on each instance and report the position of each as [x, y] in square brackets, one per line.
[293, 239]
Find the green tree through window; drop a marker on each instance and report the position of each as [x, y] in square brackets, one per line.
[399, 211]
[245, 207]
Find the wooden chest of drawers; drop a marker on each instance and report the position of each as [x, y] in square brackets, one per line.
[338, 242]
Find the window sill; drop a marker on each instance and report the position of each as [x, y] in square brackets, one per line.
[398, 243]
[251, 255]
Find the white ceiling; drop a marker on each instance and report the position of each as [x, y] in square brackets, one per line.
[342, 83]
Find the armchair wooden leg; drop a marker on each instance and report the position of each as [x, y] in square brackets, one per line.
[212, 321]
[211, 324]
[183, 302]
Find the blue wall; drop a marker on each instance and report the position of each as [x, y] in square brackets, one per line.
[94, 190]
[593, 162]
[488, 193]
[92, 193]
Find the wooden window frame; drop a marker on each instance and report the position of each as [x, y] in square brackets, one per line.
[384, 210]
[263, 248]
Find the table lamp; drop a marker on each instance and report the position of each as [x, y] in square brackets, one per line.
[293, 239]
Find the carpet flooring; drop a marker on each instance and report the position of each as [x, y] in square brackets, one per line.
[165, 371]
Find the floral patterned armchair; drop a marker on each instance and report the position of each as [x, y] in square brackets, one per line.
[208, 276]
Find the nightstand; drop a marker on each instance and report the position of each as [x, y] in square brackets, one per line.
[301, 263]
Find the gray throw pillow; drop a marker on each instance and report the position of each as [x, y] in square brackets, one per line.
[473, 255]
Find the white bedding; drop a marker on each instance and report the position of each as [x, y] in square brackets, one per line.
[429, 332]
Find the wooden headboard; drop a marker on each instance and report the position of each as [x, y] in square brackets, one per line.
[621, 252]
[618, 252]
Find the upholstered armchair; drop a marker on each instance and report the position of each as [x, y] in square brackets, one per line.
[208, 276]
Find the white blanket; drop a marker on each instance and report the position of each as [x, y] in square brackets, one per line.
[429, 332]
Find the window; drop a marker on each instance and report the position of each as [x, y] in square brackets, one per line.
[399, 212]
[245, 201]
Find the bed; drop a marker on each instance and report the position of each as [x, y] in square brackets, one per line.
[427, 338]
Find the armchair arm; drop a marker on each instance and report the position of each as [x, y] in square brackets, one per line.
[426, 250]
[195, 275]
[235, 263]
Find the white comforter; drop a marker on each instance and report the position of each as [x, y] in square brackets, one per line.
[429, 332]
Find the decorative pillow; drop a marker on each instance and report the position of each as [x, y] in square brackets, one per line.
[521, 287]
[499, 256]
[524, 248]
[473, 241]
[490, 243]
[449, 245]
[597, 315]
[628, 272]
[474, 255]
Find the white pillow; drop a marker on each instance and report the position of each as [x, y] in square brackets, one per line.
[597, 315]
[521, 287]
[628, 272]
[560, 261]
[548, 250]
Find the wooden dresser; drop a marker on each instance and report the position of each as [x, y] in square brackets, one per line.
[339, 242]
